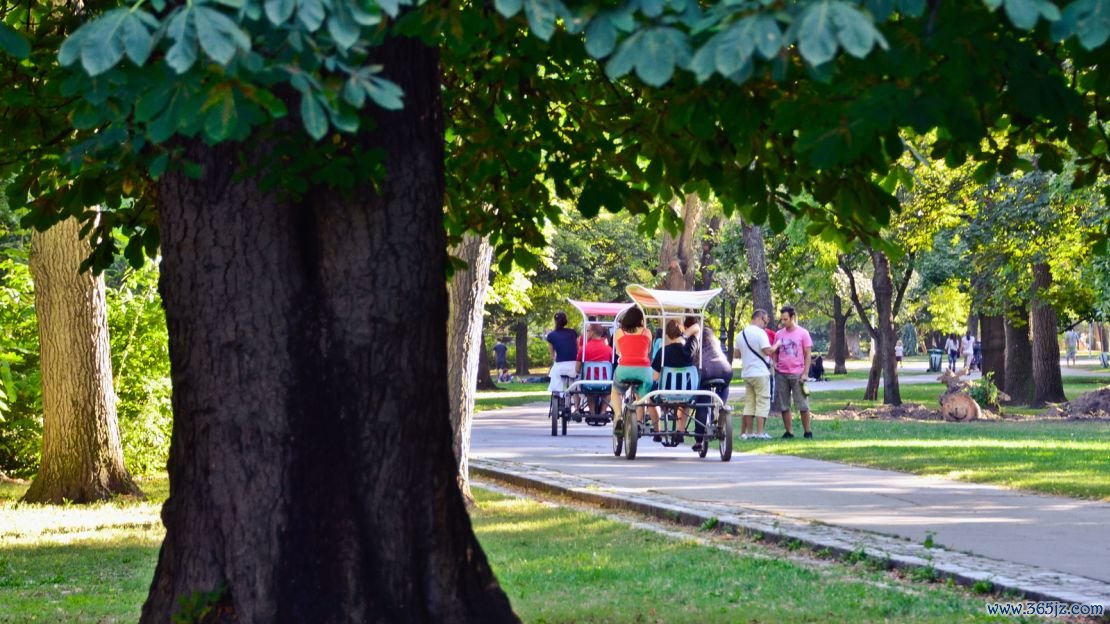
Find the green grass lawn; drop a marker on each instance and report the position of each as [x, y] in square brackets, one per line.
[94, 564]
[511, 395]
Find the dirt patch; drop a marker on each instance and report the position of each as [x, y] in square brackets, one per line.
[905, 411]
[1093, 405]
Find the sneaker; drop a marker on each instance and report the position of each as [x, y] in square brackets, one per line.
[808, 434]
[656, 438]
[696, 447]
[765, 436]
[744, 436]
[788, 435]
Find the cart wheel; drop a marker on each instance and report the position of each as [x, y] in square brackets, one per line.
[618, 439]
[631, 437]
[553, 414]
[704, 439]
[725, 425]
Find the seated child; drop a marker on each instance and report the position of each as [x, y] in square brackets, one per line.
[817, 368]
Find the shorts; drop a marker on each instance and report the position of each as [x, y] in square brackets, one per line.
[1071, 352]
[897, 358]
[502, 363]
[643, 374]
[757, 396]
[787, 386]
[560, 370]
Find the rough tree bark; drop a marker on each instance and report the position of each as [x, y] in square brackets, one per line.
[1019, 355]
[312, 476]
[676, 254]
[840, 337]
[757, 262]
[992, 330]
[467, 301]
[882, 333]
[705, 267]
[485, 375]
[522, 364]
[1048, 384]
[82, 457]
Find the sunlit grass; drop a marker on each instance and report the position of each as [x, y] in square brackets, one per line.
[511, 395]
[560, 565]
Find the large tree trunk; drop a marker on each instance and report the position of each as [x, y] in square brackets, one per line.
[485, 375]
[312, 475]
[467, 294]
[1019, 356]
[757, 261]
[522, 364]
[1048, 385]
[840, 336]
[992, 331]
[82, 457]
[676, 254]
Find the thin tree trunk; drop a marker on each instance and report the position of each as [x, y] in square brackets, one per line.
[82, 457]
[467, 297]
[993, 333]
[708, 242]
[522, 347]
[840, 347]
[676, 254]
[485, 375]
[312, 476]
[1048, 385]
[1019, 356]
[732, 330]
[885, 308]
[874, 374]
[757, 261]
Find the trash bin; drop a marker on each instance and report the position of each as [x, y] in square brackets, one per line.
[936, 356]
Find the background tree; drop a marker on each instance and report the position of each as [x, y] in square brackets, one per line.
[82, 457]
[467, 298]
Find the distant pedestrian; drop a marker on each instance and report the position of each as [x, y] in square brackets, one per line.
[755, 349]
[501, 351]
[952, 348]
[967, 350]
[899, 351]
[1071, 341]
[793, 348]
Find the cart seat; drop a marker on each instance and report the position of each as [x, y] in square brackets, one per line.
[597, 371]
[685, 378]
[714, 383]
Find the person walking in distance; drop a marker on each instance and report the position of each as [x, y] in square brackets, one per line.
[501, 351]
[793, 346]
[1071, 342]
[967, 350]
[952, 348]
[755, 348]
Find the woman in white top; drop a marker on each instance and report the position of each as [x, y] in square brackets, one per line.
[967, 349]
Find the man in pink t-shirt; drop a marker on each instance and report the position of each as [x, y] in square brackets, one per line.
[791, 364]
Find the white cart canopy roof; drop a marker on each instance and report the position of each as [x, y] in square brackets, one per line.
[671, 301]
[593, 308]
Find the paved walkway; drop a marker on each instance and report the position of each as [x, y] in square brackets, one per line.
[1053, 546]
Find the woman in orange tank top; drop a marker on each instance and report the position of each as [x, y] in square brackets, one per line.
[633, 345]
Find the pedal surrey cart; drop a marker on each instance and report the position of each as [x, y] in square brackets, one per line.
[596, 380]
[679, 387]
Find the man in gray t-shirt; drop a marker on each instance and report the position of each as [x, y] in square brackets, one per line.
[1071, 341]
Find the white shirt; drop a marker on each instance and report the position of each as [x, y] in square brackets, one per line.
[755, 365]
[967, 345]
